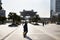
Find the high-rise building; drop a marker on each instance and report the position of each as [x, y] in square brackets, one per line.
[2, 12]
[55, 7]
[0, 2]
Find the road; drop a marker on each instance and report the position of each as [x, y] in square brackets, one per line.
[48, 32]
[5, 31]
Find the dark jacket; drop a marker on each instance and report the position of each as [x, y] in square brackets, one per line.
[43, 23]
[25, 28]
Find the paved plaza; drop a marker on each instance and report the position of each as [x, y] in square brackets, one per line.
[47, 32]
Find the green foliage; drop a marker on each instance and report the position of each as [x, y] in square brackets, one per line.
[2, 19]
[58, 18]
[0, 7]
[14, 17]
[36, 18]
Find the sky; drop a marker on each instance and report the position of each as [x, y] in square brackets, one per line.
[42, 7]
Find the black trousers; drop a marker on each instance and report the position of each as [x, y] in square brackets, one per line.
[24, 33]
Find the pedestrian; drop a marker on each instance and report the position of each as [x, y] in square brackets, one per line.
[43, 23]
[25, 29]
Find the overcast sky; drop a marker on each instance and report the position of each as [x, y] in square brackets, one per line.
[41, 6]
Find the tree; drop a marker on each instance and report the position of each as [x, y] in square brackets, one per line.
[2, 19]
[54, 19]
[58, 19]
[0, 7]
[14, 17]
[18, 19]
[35, 19]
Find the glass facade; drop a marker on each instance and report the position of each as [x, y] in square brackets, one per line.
[2, 12]
[57, 5]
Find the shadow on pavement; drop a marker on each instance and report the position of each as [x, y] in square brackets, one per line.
[28, 38]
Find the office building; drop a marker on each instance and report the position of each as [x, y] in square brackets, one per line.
[54, 7]
[2, 12]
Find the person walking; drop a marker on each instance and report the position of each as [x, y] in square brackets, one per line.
[43, 23]
[25, 29]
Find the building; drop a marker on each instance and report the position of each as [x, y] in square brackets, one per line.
[55, 7]
[2, 12]
[28, 14]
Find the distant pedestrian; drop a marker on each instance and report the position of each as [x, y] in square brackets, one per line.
[25, 29]
[43, 23]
